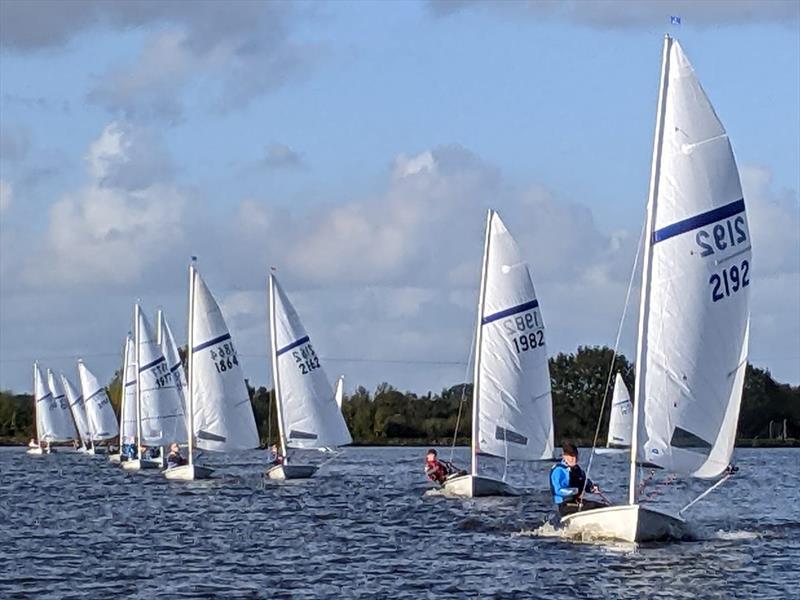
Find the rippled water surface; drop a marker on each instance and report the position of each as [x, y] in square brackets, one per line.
[76, 526]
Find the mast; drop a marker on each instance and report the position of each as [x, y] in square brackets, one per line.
[273, 349]
[36, 405]
[478, 340]
[190, 360]
[137, 341]
[123, 378]
[647, 266]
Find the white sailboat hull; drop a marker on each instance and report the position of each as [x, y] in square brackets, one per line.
[602, 451]
[37, 451]
[628, 523]
[282, 472]
[475, 486]
[139, 465]
[188, 473]
[115, 458]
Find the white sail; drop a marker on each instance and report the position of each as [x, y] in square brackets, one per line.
[514, 399]
[339, 391]
[620, 423]
[102, 420]
[170, 350]
[45, 406]
[223, 415]
[61, 417]
[162, 418]
[128, 415]
[694, 343]
[76, 404]
[308, 413]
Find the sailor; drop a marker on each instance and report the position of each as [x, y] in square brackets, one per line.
[277, 457]
[128, 449]
[439, 470]
[568, 483]
[175, 458]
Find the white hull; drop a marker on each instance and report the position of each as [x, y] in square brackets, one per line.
[475, 486]
[115, 458]
[628, 523]
[187, 473]
[139, 465]
[36, 451]
[281, 472]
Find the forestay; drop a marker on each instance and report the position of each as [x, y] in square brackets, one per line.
[515, 405]
[128, 411]
[696, 328]
[223, 414]
[162, 418]
[76, 404]
[100, 413]
[309, 414]
[621, 421]
[63, 428]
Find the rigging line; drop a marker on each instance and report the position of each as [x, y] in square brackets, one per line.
[470, 358]
[614, 355]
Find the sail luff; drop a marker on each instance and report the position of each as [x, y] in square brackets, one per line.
[138, 354]
[476, 373]
[640, 366]
[189, 393]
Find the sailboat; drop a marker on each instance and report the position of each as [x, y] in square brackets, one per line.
[694, 309]
[220, 413]
[128, 413]
[63, 417]
[49, 421]
[339, 394]
[76, 404]
[161, 421]
[100, 413]
[620, 422]
[512, 407]
[308, 416]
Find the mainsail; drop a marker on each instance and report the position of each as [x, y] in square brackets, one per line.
[696, 287]
[61, 418]
[339, 391]
[223, 417]
[515, 408]
[128, 413]
[102, 420]
[45, 407]
[162, 418]
[620, 423]
[78, 408]
[170, 350]
[307, 412]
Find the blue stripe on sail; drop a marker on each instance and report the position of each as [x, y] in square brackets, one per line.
[510, 311]
[152, 364]
[45, 397]
[293, 345]
[130, 383]
[95, 394]
[216, 340]
[176, 367]
[712, 216]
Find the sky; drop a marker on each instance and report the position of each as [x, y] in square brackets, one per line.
[355, 147]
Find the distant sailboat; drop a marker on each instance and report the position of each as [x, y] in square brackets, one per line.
[217, 399]
[100, 413]
[512, 408]
[161, 420]
[308, 416]
[63, 425]
[620, 422]
[694, 311]
[44, 407]
[128, 413]
[76, 404]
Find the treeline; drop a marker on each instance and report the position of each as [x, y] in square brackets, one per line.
[388, 415]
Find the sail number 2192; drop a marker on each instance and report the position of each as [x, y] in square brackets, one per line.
[729, 281]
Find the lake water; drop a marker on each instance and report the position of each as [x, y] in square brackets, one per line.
[76, 526]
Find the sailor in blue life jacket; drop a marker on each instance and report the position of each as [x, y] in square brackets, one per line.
[568, 483]
[128, 449]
